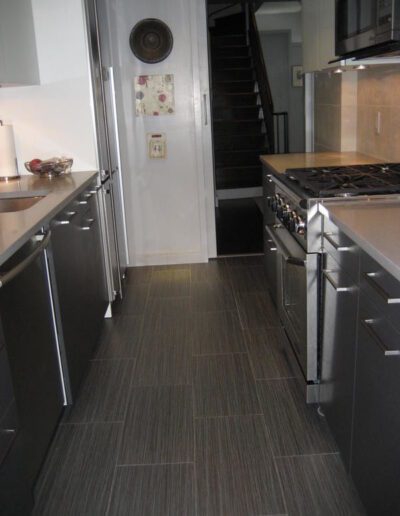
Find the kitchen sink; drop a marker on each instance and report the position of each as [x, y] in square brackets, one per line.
[23, 202]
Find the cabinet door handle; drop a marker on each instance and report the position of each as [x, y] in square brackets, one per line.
[337, 246]
[368, 325]
[44, 242]
[327, 274]
[382, 292]
[82, 202]
[70, 215]
[205, 109]
[88, 225]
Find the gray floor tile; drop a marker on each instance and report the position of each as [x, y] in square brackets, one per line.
[270, 354]
[294, 427]
[104, 393]
[170, 283]
[235, 472]
[162, 313]
[158, 427]
[165, 490]
[165, 358]
[135, 300]
[245, 261]
[214, 270]
[77, 476]
[217, 332]
[120, 337]
[173, 267]
[248, 279]
[224, 385]
[256, 310]
[135, 275]
[317, 485]
[209, 296]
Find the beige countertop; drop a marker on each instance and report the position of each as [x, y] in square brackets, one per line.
[17, 227]
[278, 163]
[374, 226]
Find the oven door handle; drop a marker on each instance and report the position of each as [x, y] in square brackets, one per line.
[293, 260]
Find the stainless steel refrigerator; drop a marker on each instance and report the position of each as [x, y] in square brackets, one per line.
[111, 192]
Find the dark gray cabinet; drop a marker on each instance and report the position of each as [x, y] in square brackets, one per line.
[375, 467]
[360, 369]
[339, 334]
[78, 280]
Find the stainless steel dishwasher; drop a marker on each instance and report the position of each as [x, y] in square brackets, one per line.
[30, 340]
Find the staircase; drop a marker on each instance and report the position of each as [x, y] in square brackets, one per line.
[239, 130]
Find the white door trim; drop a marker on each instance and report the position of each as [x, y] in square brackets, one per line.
[203, 128]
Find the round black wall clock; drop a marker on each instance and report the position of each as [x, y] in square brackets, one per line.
[151, 40]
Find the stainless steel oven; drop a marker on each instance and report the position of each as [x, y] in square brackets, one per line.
[297, 299]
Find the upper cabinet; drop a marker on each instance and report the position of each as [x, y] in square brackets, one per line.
[18, 55]
[318, 25]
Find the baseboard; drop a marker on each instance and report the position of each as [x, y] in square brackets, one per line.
[167, 259]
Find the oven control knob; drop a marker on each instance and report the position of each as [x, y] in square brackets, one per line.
[292, 221]
[285, 212]
[300, 226]
[275, 202]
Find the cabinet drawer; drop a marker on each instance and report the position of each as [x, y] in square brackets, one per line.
[341, 248]
[381, 288]
[376, 445]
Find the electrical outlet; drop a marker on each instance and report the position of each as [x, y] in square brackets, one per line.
[378, 123]
[157, 145]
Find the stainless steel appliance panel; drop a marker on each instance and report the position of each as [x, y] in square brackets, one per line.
[271, 266]
[26, 313]
[298, 297]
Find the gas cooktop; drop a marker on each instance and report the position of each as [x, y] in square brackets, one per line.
[346, 181]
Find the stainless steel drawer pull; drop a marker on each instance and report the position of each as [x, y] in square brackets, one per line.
[89, 225]
[281, 248]
[337, 246]
[70, 215]
[82, 202]
[382, 292]
[368, 325]
[43, 242]
[327, 274]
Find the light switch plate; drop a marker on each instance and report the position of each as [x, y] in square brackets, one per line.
[157, 145]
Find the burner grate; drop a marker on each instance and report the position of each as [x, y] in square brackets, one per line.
[344, 181]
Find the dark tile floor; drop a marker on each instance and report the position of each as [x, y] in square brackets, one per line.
[193, 406]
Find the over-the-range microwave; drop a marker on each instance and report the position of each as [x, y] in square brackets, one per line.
[366, 28]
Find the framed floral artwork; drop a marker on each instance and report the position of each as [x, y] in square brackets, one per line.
[154, 95]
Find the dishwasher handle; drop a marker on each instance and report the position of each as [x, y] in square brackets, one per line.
[15, 271]
[281, 248]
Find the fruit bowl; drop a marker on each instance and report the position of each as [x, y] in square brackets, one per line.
[49, 167]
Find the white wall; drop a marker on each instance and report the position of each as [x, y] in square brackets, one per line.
[165, 199]
[268, 21]
[55, 118]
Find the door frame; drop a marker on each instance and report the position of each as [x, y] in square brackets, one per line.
[203, 128]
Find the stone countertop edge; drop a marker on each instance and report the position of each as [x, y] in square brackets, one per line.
[17, 227]
[374, 226]
[278, 163]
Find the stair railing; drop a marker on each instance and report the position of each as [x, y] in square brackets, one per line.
[267, 104]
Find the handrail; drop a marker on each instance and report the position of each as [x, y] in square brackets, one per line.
[262, 77]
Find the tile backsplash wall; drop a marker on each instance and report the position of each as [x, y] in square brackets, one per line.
[347, 109]
[379, 92]
[335, 112]
[327, 112]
